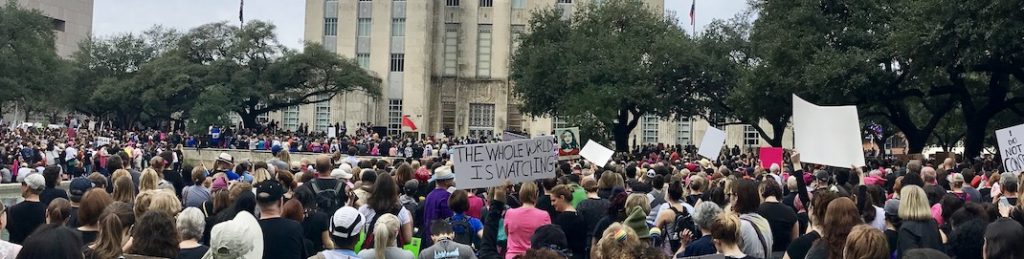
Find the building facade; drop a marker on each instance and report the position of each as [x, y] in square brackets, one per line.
[72, 21]
[445, 64]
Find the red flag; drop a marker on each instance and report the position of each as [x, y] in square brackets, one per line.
[406, 122]
[693, 12]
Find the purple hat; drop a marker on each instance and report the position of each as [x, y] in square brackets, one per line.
[218, 184]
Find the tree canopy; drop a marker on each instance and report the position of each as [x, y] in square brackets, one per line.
[29, 65]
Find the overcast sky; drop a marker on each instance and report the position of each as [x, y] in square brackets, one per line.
[111, 17]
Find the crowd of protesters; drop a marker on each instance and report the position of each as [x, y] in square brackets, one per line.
[658, 202]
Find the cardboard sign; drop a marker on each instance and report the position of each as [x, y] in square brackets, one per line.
[568, 141]
[1011, 143]
[769, 156]
[712, 143]
[508, 136]
[827, 135]
[491, 164]
[596, 153]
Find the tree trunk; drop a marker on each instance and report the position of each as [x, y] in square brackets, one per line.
[624, 124]
[621, 136]
[248, 120]
[916, 141]
[974, 141]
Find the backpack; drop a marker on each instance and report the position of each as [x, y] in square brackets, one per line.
[368, 241]
[463, 230]
[682, 221]
[329, 200]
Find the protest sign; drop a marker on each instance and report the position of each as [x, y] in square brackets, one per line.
[568, 141]
[712, 143]
[769, 156]
[596, 153]
[491, 164]
[332, 132]
[508, 136]
[827, 135]
[1011, 143]
[100, 141]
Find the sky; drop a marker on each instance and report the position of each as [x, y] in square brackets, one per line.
[113, 17]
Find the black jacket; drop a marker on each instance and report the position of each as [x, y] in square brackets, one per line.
[918, 234]
[489, 248]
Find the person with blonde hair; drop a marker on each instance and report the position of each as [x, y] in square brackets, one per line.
[918, 229]
[385, 244]
[618, 242]
[260, 175]
[725, 233]
[638, 200]
[149, 180]
[124, 190]
[866, 242]
[520, 223]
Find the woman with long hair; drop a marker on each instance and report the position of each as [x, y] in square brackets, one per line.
[917, 228]
[154, 236]
[124, 190]
[618, 242]
[404, 173]
[93, 203]
[383, 200]
[385, 245]
[865, 242]
[521, 222]
[1004, 238]
[755, 230]
[114, 224]
[315, 222]
[725, 231]
[149, 180]
[840, 217]
[816, 213]
[58, 211]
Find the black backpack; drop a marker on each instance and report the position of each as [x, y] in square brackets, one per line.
[682, 221]
[463, 230]
[329, 200]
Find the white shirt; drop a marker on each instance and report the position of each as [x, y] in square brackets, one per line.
[70, 153]
[403, 215]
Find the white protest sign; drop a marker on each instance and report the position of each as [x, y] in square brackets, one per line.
[508, 136]
[332, 132]
[100, 141]
[491, 164]
[596, 153]
[827, 135]
[712, 143]
[1011, 148]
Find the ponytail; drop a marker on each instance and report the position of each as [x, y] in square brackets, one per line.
[386, 234]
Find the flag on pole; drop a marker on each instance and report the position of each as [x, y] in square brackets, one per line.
[406, 122]
[693, 10]
[242, 4]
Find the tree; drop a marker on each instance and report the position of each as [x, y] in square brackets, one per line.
[28, 57]
[981, 54]
[246, 71]
[606, 67]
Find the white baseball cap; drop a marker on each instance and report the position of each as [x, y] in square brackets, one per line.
[34, 181]
[347, 222]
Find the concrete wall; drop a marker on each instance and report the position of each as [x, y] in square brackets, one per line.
[77, 18]
[209, 156]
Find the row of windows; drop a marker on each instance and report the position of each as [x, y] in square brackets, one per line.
[516, 4]
[394, 116]
[649, 130]
[364, 27]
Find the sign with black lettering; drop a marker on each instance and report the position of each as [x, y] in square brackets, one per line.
[491, 164]
[1011, 143]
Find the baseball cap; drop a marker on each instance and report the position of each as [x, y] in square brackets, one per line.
[269, 190]
[240, 237]
[78, 187]
[34, 181]
[442, 173]
[218, 184]
[892, 207]
[347, 222]
[341, 174]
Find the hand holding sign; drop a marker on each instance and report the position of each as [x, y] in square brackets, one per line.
[596, 153]
[712, 143]
[491, 164]
[1011, 148]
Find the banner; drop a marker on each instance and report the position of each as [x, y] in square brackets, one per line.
[332, 132]
[508, 136]
[1010, 148]
[491, 164]
[827, 135]
[100, 141]
[596, 153]
[712, 143]
[769, 156]
[568, 141]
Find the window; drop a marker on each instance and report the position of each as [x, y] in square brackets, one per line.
[451, 2]
[486, 3]
[331, 26]
[564, 1]
[650, 129]
[59, 24]
[451, 49]
[397, 62]
[394, 117]
[481, 119]
[398, 27]
[363, 59]
[363, 27]
[517, 35]
[448, 115]
[559, 122]
[364, 0]
[683, 129]
[264, 117]
[750, 136]
[291, 118]
[483, 52]
[323, 114]
[518, 4]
